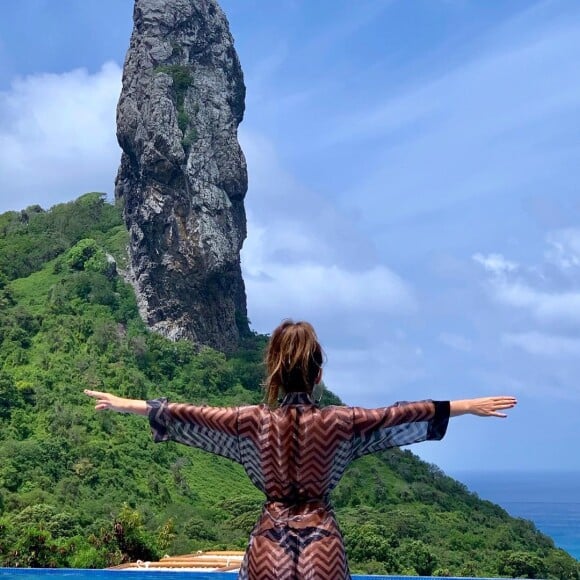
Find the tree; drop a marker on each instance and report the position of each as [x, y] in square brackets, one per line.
[417, 555]
[522, 565]
[9, 395]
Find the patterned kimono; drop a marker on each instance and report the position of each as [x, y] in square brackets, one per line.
[296, 454]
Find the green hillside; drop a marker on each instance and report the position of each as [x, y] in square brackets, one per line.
[86, 489]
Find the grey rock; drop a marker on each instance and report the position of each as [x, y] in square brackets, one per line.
[183, 177]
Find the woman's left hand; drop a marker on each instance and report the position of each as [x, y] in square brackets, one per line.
[483, 406]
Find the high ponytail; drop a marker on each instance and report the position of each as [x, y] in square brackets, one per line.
[293, 360]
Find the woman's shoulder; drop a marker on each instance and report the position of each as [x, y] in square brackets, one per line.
[338, 411]
[249, 410]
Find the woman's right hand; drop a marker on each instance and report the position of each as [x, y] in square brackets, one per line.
[106, 401]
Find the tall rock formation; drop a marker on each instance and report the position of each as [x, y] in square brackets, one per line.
[183, 178]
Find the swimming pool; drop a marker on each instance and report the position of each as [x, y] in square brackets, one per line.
[73, 574]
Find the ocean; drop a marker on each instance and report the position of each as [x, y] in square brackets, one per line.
[550, 499]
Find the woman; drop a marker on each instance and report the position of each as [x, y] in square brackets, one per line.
[297, 452]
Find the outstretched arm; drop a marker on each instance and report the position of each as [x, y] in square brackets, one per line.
[214, 429]
[483, 406]
[397, 425]
[118, 404]
[406, 423]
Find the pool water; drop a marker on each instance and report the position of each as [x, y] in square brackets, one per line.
[73, 574]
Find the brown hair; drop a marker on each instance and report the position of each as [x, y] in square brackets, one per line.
[293, 360]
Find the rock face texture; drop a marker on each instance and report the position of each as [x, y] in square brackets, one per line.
[183, 177]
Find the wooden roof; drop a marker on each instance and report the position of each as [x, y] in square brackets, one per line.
[208, 561]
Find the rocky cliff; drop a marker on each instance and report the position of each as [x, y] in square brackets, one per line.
[183, 178]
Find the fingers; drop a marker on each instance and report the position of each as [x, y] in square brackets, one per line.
[96, 394]
[504, 400]
[492, 406]
[500, 403]
[504, 406]
[103, 399]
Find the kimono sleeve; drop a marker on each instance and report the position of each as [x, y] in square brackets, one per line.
[213, 429]
[401, 424]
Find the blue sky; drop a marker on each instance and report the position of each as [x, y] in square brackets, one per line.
[413, 190]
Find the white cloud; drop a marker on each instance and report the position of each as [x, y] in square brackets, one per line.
[289, 272]
[533, 288]
[308, 288]
[495, 263]
[538, 343]
[57, 136]
[564, 248]
[545, 306]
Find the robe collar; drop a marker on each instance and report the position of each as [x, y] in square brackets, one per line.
[299, 398]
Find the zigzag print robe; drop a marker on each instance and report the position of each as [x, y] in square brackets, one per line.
[296, 454]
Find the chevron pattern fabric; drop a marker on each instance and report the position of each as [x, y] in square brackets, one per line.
[296, 455]
[213, 429]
